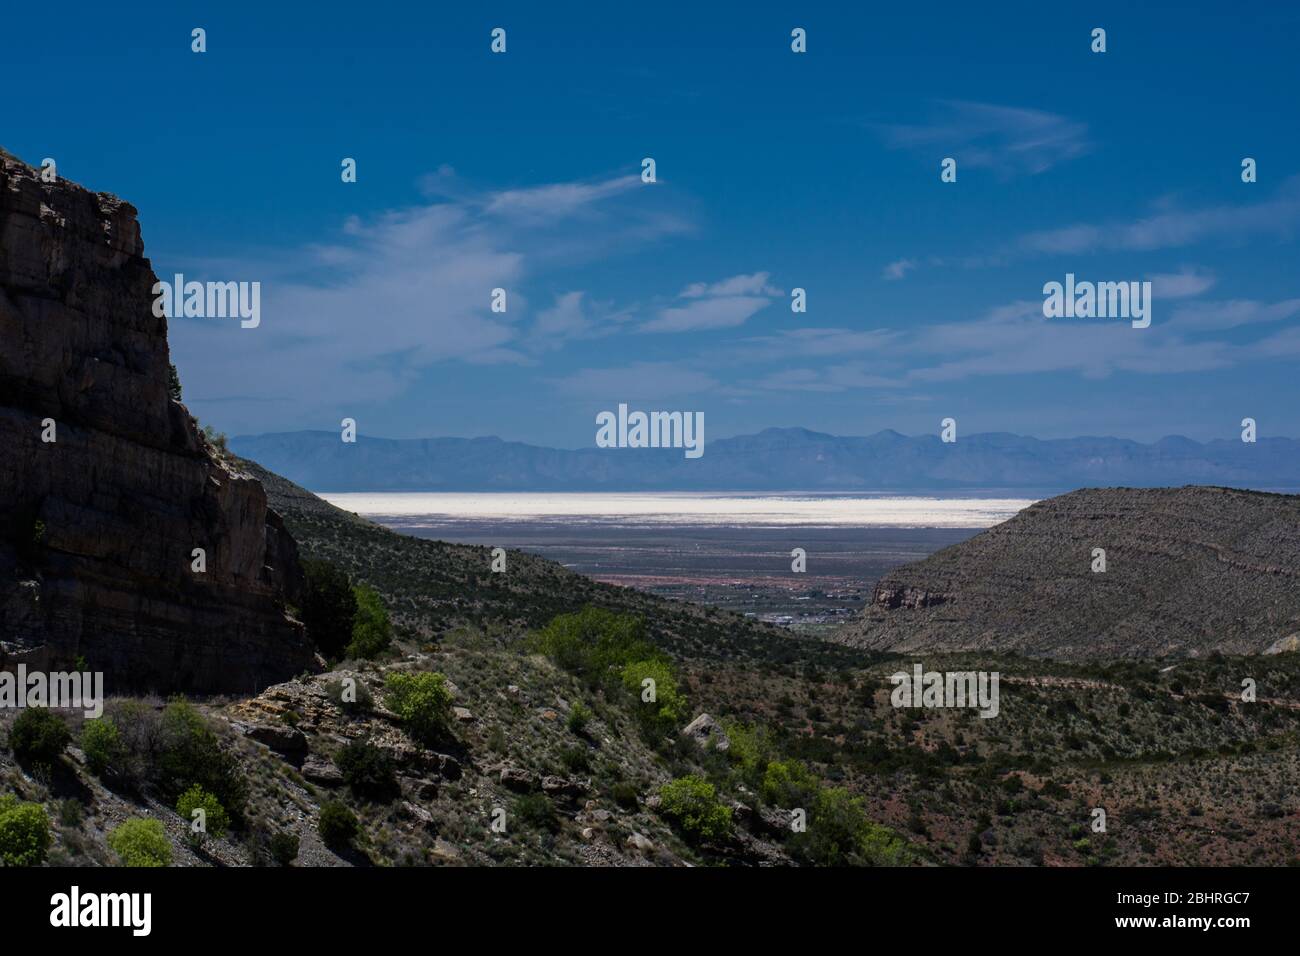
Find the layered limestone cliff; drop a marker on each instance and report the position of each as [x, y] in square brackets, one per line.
[98, 527]
[1186, 572]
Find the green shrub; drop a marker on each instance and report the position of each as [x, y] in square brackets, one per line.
[361, 702]
[593, 641]
[691, 804]
[839, 834]
[102, 744]
[625, 794]
[24, 832]
[212, 822]
[141, 842]
[368, 771]
[789, 784]
[372, 632]
[284, 848]
[329, 608]
[422, 702]
[191, 754]
[337, 825]
[579, 716]
[39, 736]
[535, 810]
[215, 438]
[665, 711]
[576, 759]
[751, 749]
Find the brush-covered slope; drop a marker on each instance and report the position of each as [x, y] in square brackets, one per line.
[1188, 571]
[433, 587]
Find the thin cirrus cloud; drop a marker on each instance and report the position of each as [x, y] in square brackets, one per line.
[1186, 283]
[1170, 228]
[1015, 339]
[1007, 138]
[719, 305]
[360, 317]
[898, 268]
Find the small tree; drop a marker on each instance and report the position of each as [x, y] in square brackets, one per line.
[24, 832]
[141, 842]
[368, 771]
[660, 704]
[39, 736]
[372, 632]
[102, 744]
[422, 702]
[191, 754]
[173, 383]
[691, 804]
[579, 716]
[329, 608]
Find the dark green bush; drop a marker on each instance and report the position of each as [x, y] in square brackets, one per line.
[536, 811]
[368, 771]
[284, 848]
[191, 754]
[329, 608]
[337, 825]
[625, 794]
[39, 736]
[576, 759]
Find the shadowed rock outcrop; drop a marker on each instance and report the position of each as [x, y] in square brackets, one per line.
[98, 527]
[1188, 571]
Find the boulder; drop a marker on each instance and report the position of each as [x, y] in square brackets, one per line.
[517, 779]
[707, 732]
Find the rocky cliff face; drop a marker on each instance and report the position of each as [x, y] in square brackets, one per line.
[98, 527]
[1188, 571]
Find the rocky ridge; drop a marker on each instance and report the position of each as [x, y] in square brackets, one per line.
[1188, 571]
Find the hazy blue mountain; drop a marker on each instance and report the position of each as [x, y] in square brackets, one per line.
[776, 459]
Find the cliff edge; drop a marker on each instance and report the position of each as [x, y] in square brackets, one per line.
[98, 526]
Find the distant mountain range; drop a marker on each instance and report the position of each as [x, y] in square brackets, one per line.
[776, 459]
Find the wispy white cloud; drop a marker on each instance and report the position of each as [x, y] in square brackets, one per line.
[361, 316]
[719, 305]
[1230, 314]
[1183, 284]
[1172, 228]
[899, 268]
[1006, 138]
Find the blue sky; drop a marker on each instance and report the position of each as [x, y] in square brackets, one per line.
[776, 170]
